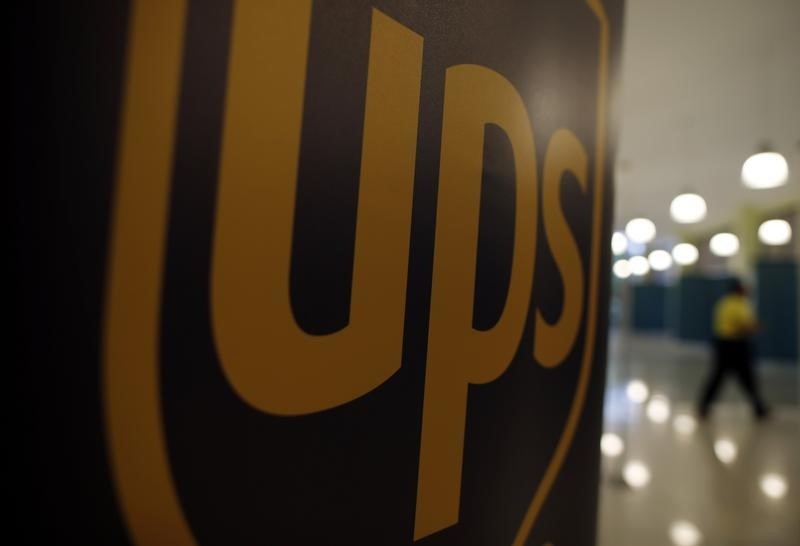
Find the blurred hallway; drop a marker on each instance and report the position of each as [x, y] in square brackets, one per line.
[728, 481]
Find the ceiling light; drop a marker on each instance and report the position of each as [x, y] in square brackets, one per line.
[611, 445]
[622, 269]
[685, 254]
[775, 232]
[640, 230]
[765, 170]
[660, 260]
[639, 265]
[619, 243]
[773, 485]
[724, 244]
[636, 474]
[637, 391]
[688, 208]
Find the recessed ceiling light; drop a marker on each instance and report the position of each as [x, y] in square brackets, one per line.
[619, 243]
[775, 232]
[685, 254]
[660, 260]
[639, 265]
[640, 230]
[724, 244]
[765, 170]
[622, 269]
[688, 208]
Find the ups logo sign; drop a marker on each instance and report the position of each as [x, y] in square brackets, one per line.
[295, 385]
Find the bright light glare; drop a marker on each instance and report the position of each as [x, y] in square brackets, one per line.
[636, 474]
[640, 230]
[688, 208]
[724, 244]
[660, 260]
[765, 170]
[684, 424]
[774, 485]
[726, 450]
[639, 265]
[658, 409]
[619, 243]
[685, 254]
[684, 533]
[622, 269]
[637, 391]
[611, 445]
[775, 232]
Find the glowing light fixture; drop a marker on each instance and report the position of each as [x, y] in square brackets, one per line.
[765, 170]
[619, 243]
[775, 232]
[640, 230]
[685, 254]
[658, 409]
[684, 533]
[639, 265]
[637, 391]
[726, 450]
[688, 208]
[724, 244]
[611, 445]
[684, 424]
[636, 474]
[622, 269]
[773, 485]
[660, 260]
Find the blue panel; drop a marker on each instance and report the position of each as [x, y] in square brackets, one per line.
[649, 307]
[672, 309]
[777, 309]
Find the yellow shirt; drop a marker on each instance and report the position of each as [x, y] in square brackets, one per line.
[733, 317]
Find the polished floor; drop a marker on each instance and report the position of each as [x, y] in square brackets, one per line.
[668, 479]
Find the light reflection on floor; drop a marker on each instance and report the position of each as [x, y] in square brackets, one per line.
[669, 479]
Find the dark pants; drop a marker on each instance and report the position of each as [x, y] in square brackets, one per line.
[732, 357]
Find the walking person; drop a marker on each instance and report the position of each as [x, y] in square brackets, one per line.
[734, 327]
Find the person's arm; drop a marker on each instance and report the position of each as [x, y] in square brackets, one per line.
[747, 322]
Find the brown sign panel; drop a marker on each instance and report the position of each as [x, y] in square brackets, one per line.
[342, 269]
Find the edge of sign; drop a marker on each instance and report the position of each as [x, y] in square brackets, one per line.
[576, 409]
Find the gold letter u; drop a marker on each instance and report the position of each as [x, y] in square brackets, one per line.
[270, 362]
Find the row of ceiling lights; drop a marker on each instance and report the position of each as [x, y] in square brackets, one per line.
[760, 171]
[771, 232]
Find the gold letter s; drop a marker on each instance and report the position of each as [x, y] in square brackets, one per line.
[268, 359]
[553, 342]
